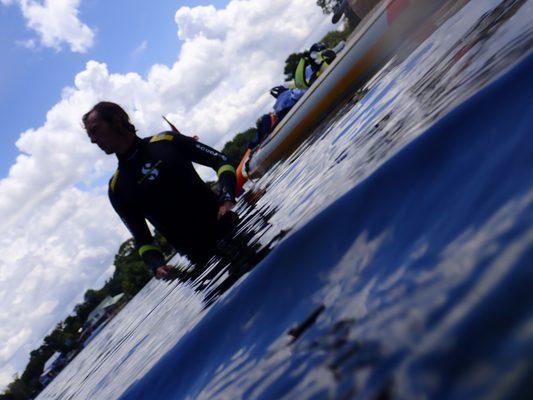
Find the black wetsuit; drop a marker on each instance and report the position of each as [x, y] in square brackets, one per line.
[156, 181]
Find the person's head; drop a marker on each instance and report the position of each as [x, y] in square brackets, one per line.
[315, 51]
[317, 48]
[277, 90]
[109, 127]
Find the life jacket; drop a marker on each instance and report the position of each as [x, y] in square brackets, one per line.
[299, 76]
[309, 69]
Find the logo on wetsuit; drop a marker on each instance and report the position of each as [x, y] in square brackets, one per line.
[211, 151]
[150, 171]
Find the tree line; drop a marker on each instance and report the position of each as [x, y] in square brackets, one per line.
[129, 277]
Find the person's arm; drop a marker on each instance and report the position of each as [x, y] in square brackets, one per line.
[202, 154]
[150, 253]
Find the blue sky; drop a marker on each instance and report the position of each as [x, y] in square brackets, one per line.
[207, 65]
[31, 80]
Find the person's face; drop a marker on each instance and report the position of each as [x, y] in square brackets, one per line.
[101, 133]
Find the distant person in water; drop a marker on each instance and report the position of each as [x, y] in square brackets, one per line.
[312, 65]
[286, 98]
[155, 181]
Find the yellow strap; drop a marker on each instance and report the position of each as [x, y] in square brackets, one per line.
[147, 247]
[299, 76]
[113, 182]
[224, 168]
[323, 68]
[161, 136]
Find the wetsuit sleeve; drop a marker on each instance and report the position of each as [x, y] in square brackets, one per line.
[136, 224]
[202, 154]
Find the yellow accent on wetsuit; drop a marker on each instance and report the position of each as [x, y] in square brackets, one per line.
[114, 179]
[147, 247]
[161, 136]
[225, 168]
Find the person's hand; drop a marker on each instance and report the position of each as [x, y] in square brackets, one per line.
[162, 271]
[224, 208]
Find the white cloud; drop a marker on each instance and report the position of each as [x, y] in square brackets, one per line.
[59, 239]
[56, 22]
[141, 48]
[14, 341]
[29, 43]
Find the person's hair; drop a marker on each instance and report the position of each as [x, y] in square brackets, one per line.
[111, 113]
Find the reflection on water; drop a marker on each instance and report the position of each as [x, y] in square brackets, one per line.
[354, 333]
[401, 102]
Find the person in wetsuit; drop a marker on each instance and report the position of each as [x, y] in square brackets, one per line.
[312, 65]
[156, 181]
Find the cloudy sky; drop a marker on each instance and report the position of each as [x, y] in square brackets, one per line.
[207, 65]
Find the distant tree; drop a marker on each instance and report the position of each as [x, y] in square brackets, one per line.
[72, 324]
[333, 38]
[130, 274]
[327, 6]
[133, 276]
[236, 147]
[127, 249]
[36, 364]
[58, 339]
[18, 390]
[93, 297]
[290, 65]
[82, 311]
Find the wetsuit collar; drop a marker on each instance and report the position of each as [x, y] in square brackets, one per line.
[132, 151]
